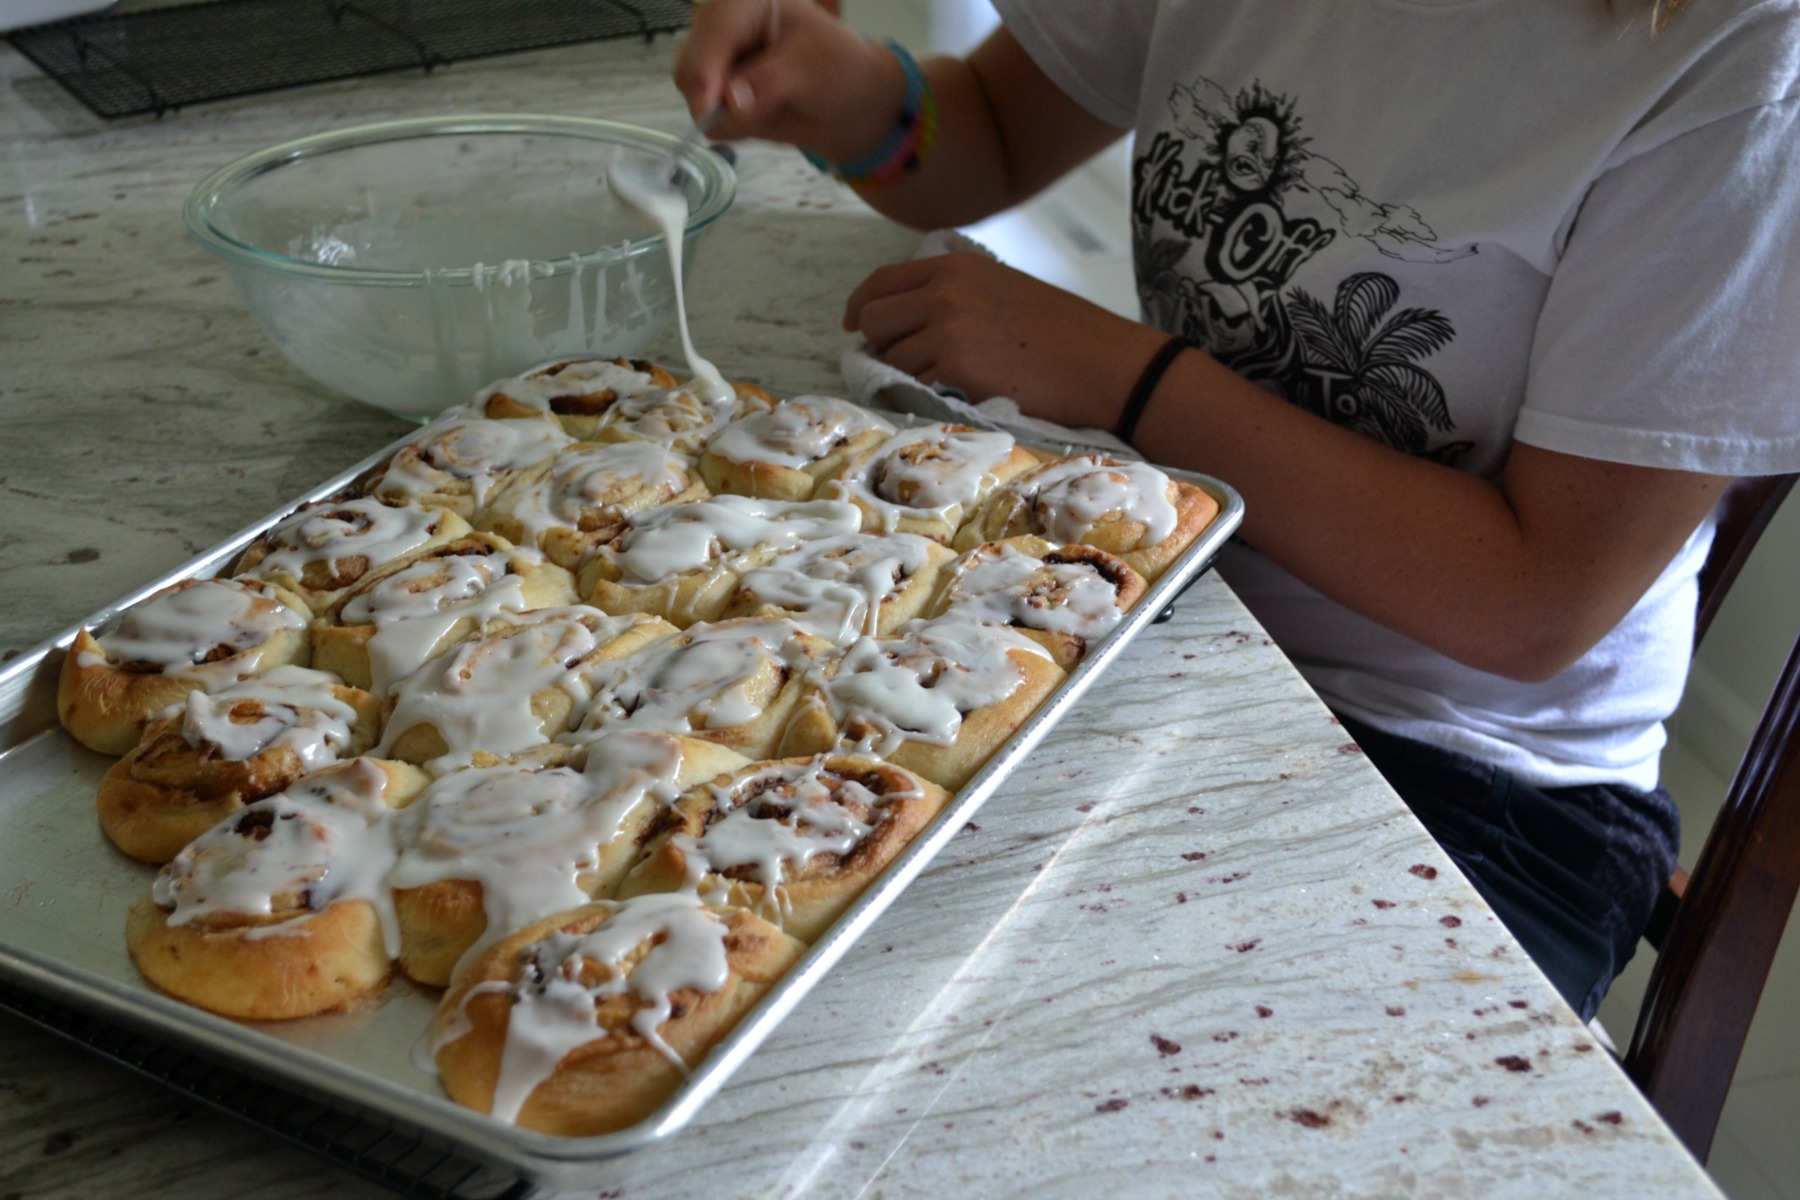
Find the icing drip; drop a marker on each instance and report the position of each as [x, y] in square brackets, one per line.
[536, 388]
[479, 695]
[706, 679]
[917, 687]
[685, 537]
[469, 451]
[291, 708]
[677, 418]
[1005, 586]
[329, 535]
[324, 840]
[589, 485]
[929, 472]
[177, 630]
[414, 609]
[677, 944]
[797, 432]
[528, 835]
[838, 585]
[1074, 495]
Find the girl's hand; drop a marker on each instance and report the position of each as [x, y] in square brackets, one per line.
[789, 71]
[975, 324]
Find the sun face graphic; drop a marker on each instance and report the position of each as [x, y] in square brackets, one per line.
[1258, 147]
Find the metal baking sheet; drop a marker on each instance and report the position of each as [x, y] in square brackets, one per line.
[64, 892]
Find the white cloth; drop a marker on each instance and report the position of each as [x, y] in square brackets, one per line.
[874, 384]
[1450, 224]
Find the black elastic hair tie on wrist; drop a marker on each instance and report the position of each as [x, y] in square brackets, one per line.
[1146, 385]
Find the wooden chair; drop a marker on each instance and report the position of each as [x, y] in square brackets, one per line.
[1717, 931]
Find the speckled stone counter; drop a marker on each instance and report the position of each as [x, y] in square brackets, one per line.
[1194, 947]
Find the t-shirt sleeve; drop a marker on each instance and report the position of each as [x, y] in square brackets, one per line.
[1670, 336]
[1093, 51]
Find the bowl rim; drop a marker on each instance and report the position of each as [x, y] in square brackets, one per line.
[716, 174]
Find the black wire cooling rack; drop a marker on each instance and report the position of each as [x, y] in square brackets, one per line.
[159, 59]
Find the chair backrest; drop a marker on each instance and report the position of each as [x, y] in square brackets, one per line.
[1720, 930]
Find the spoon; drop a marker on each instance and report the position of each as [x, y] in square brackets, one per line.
[654, 196]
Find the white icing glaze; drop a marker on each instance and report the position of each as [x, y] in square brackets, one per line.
[678, 538]
[918, 686]
[537, 387]
[678, 418]
[326, 838]
[697, 681]
[463, 450]
[927, 472]
[478, 695]
[527, 835]
[1073, 495]
[610, 479]
[293, 708]
[837, 586]
[796, 433]
[567, 974]
[329, 532]
[1003, 585]
[177, 628]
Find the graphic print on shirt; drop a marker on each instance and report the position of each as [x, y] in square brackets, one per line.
[1246, 203]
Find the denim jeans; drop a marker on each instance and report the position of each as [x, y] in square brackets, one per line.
[1572, 872]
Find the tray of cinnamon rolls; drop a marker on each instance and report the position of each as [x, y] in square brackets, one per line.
[514, 784]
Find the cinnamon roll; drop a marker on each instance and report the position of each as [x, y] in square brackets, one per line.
[584, 1023]
[735, 683]
[514, 688]
[489, 848]
[938, 698]
[846, 586]
[325, 549]
[202, 634]
[575, 392]
[929, 479]
[582, 497]
[682, 561]
[785, 453]
[795, 840]
[1130, 509]
[1062, 597]
[204, 759]
[387, 626]
[282, 909]
[679, 418]
[459, 461]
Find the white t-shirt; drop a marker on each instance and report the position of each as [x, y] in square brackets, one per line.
[1450, 224]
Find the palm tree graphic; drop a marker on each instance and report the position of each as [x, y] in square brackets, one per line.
[1358, 364]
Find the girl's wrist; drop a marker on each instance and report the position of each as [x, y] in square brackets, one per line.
[901, 132]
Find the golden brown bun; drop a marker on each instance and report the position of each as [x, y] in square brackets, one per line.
[785, 453]
[227, 956]
[1103, 517]
[1062, 597]
[341, 642]
[733, 683]
[461, 461]
[679, 419]
[169, 790]
[107, 691]
[533, 831]
[818, 882]
[524, 672]
[978, 683]
[927, 480]
[824, 585]
[617, 1077]
[325, 549]
[576, 392]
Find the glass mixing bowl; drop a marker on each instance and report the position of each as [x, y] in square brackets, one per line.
[410, 263]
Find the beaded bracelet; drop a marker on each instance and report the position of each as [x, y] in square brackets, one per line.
[906, 146]
[1146, 386]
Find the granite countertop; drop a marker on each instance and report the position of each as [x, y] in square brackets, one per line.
[1194, 946]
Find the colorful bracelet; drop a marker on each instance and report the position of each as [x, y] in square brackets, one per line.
[1139, 400]
[906, 146]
